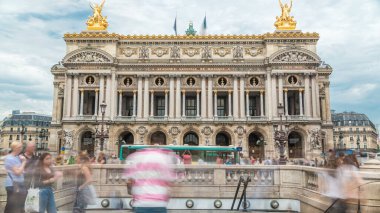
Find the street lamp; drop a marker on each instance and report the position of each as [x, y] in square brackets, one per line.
[101, 134]
[340, 140]
[358, 144]
[22, 132]
[280, 135]
[41, 145]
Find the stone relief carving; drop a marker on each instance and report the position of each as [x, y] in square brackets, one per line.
[68, 136]
[240, 131]
[160, 51]
[238, 52]
[175, 52]
[141, 130]
[207, 131]
[206, 52]
[88, 56]
[254, 51]
[128, 52]
[144, 53]
[191, 51]
[315, 138]
[222, 51]
[174, 131]
[294, 56]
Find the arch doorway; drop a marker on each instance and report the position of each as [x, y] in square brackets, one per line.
[295, 145]
[158, 138]
[191, 139]
[256, 145]
[223, 139]
[87, 143]
[125, 138]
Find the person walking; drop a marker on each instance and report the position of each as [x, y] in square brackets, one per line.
[86, 194]
[150, 177]
[14, 183]
[102, 158]
[44, 178]
[31, 162]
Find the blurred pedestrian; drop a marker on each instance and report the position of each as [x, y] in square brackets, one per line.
[14, 182]
[340, 160]
[331, 162]
[31, 162]
[101, 158]
[86, 194]
[44, 178]
[149, 178]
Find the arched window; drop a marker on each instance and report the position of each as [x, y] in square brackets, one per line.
[191, 139]
[222, 139]
[158, 138]
[256, 145]
[124, 139]
[87, 143]
[295, 145]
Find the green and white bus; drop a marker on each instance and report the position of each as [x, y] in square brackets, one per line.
[205, 154]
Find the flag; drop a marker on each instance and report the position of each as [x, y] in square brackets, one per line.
[204, 26]
[175, 25]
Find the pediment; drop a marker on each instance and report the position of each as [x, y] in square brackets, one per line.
[88, 56]
[295, 55]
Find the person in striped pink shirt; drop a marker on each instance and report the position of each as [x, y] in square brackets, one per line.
[151, 174]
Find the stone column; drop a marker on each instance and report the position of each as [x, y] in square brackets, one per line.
[108, 96]
[236, 98]
[120, 102]
[229, 104]
[274, 97]
[204, 98]
[307, 95]
[215, 104]
[134, 103]
[198, 113]
[183, 103]
[68, 92]
[328, 110]
[166, 103]
[280, 90]
[76, 96]
[139, 97]
[314, 96]
[146, 97]
[101, 90]
[81, 101]
[286, 102]
[113, 107]
[262, 103]
[55, 102]
[171, 97]
[59, 109]
[242, 91]
[300, 101]
[268, 100]
[247, 103]
[317, 98]
[96, 102]
[151, 103]
[210, 99]
[178, 98]
[323, 105]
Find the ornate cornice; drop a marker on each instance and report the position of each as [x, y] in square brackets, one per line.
[275, 35]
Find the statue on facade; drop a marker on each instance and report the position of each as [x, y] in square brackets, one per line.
[206, 52]
[175, 52]
[97, 21]
[315, 138]
[68, 136]
[285, 21]
[238, 52]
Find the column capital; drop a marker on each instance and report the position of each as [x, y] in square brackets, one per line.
[261, 91]
[81, 90]
[183, 91]
[96, 90]
[215, 91]
[229, 92]
[120, 91]
[247, 92]
[134, 91]
[198, 91]
[286, 90]
[166, 91]
[301, 90]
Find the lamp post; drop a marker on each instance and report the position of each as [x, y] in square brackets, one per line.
[41, 145]
[22, 132]
[340, 140]
[101, 134]
[280, 135]
[358, 144]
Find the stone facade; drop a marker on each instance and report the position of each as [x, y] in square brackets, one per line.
[223, 90]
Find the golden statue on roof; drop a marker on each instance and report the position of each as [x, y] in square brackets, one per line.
[97, 21]
[285, 21]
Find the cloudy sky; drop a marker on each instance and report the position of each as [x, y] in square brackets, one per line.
[31, 40]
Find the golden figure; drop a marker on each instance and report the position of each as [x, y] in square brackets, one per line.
[97, 21]
[285, 21]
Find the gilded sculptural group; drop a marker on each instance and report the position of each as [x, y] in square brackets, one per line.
[285, 21]
[97, 21]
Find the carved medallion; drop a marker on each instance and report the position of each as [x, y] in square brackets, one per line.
[128, 52]
[160, 51]
[141, 130]
[175, 52]
[222, 51]
[253, 51]
[174, 131]
[207, 131]
[191, 51]
[144, 53]
[240, 131]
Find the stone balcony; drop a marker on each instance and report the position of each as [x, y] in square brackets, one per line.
[296, 183]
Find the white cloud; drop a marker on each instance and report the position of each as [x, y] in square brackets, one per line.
[32, 31]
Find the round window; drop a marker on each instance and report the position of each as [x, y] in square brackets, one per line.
[292, 79]
[159, 81]
[254, 81]
[222, 81]
[190, 81]
[128, 81]
[90, 80]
